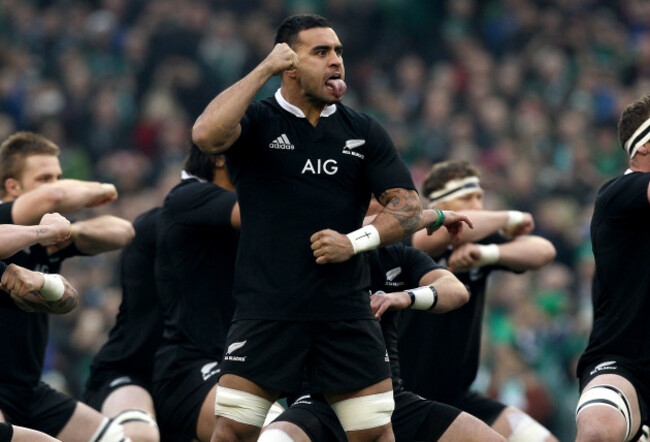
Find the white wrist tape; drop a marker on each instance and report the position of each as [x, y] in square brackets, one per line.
[489, 255]
[515, 217]
[423, 298]
[53, 288]
[365, 238]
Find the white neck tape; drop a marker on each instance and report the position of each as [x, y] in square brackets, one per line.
[454, 189]
[638, 138]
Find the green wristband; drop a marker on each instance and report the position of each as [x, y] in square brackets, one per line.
[440, 221]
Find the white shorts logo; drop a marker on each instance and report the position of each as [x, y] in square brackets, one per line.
[232, 348]
[120, 381]
[209, 370]
[609, 365]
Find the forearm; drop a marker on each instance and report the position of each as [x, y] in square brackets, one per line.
[452, 293]
[400, 217]
[14, 238]
[102, 234]
[526, 253]
[218, 126]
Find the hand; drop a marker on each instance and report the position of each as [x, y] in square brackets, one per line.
[330, 246]
[524, 227]
[464, 257]
[381, 302]
[58, 228]
[281, 58]
[108, 195]
[454, 224]
[19, 281]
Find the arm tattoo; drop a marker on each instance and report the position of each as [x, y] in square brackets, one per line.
[28, 305]
[403, 205]
[41, 232]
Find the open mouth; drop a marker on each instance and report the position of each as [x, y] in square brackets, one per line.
[336, 85]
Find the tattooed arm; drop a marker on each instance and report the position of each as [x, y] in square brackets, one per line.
[399, 218]
[24, 287]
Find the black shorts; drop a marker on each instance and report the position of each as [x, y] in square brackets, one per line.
[413, 416]
[339, 356]
[623, 369]
[179, 396]
[481, 407]
[40, 408]
[6, 432]
[102, 383]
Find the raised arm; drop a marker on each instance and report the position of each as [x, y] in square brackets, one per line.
[62, 196]
[217, 128]
[439, 292]
[486, 222]
[35, 292]
[523, 253]
[52, 228]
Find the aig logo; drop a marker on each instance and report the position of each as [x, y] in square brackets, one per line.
[328, 167]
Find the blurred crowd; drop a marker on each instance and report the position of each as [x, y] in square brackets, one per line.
[528, 90]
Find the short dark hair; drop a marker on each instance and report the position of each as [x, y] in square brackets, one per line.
[200, 164]
[15, 150]
[292, 25]
[632, 117]
[441, 173]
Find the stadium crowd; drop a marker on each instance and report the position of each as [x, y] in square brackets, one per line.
[529, 91]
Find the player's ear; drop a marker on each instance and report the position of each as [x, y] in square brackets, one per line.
[13, 187]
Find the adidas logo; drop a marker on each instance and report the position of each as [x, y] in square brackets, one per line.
[281, 142]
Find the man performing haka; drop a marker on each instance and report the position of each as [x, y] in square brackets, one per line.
[304, 166]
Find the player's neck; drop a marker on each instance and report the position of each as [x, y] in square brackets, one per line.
[312, 109]
[222, 180]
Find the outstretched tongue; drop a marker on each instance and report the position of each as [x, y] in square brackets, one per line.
[339, 87]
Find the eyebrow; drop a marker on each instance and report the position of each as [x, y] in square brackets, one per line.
[321, 47]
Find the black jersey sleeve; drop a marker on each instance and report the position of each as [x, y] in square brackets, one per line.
[5, 213]
[385, 169]
[202, 204]
[630, 196]
[416, 264]
[249, 124]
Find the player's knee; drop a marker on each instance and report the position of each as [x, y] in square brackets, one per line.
[603, 413]
[245, 412]
[526, 429]
[109, 431]
[275, 435]
[139, 425]
[365, 412]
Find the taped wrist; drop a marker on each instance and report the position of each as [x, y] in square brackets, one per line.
[53, 288]
[489, 254]
[364, 239]
[515, 218]
[423, 298]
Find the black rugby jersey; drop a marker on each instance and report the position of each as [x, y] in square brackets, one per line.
[621, 284]
[293, 180]
[134, 339]
[24, 335]
[440, 354]
[396, 268]
[195, 264]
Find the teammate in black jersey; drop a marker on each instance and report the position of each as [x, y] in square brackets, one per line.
[29, 173]
[443, 369]
[614, 370]
[395, 270]
[304, 166]
[119, 384]
[198, 229]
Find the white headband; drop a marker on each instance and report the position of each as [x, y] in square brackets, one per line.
[455, 189]
[638, 138]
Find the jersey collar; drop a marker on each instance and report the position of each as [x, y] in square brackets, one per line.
[284, 104]
[189, 176]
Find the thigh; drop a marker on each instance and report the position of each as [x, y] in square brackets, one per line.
[180, 396]
[348, 356]
[316, 418]
[486, 409]
[44, 409]
[416, 416]
[81, 426]
[271, 354]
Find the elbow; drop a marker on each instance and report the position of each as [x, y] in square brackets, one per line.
[55, 197]
[545, 255]
[126, 234]
[461, 296]
[202, 138]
